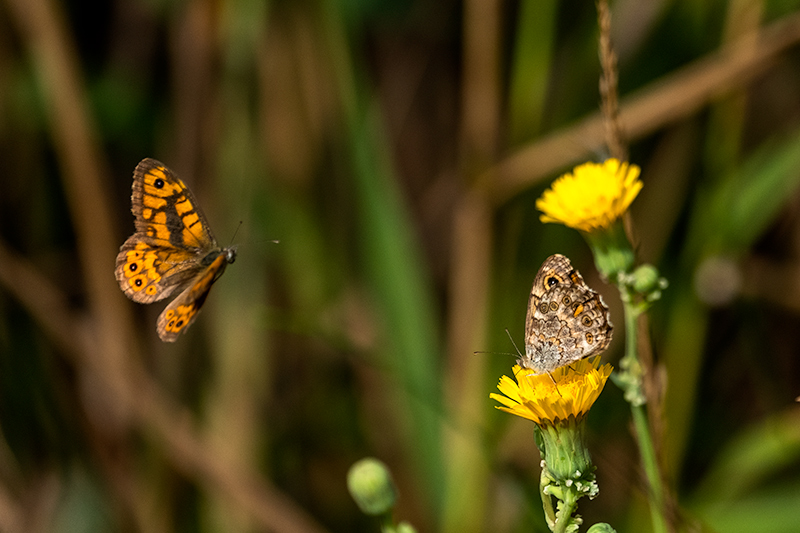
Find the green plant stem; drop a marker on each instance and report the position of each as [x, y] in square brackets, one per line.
[650, 464]
[547, 501]
[633, 371]
[387, 523]
[631, 332]
[565, 514]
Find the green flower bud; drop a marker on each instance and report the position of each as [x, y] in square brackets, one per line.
[646, 279]
[370, 484]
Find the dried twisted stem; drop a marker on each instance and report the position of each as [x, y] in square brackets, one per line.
[609, 104]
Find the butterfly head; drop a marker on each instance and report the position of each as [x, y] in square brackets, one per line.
[230, 254]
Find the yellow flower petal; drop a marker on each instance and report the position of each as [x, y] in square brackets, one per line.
[592, 197]
[547, 398]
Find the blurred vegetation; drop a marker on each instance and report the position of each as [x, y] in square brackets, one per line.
[395, 149]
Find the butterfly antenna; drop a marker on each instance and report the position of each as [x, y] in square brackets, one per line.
[235, 232]
[512, 342]
[476, 352]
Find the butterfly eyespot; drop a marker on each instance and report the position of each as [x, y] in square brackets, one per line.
[566, 300]
[586, 321]
[179, 324]
[151, 290]
[553, 306]
[543, 307]
[550, 281]
[589, 338]
[133, 267]
[137, 283]
[159, 183]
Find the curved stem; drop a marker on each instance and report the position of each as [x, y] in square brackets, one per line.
[547, 502]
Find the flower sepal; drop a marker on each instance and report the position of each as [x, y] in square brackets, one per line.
[565, 455]
[613, 255]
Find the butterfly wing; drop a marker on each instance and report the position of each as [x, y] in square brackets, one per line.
[183, 310]
[591, 323]
[148, 273]
[172, 236]
[165, 210]
[571, 322]
[566, 320]
[555, 271]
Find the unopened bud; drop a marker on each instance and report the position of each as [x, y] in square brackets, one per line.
[371, 486]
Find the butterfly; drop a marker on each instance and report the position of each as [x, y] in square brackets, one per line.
[566, 319]
[172, 250]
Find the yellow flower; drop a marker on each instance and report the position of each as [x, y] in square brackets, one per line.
[592, 197]
[544, 398]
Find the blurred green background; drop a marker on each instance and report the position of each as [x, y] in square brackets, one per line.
[395, 149]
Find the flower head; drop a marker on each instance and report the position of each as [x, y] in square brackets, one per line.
[546, 398]
[592, 197]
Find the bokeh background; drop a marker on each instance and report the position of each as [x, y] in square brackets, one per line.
[395, 149]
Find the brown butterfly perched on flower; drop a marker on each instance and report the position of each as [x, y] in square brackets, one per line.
[172, 250]
[566, 319]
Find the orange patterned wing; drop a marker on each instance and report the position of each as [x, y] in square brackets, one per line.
[147, 274]
[166, 212]
[172, 236]
[183, 310]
